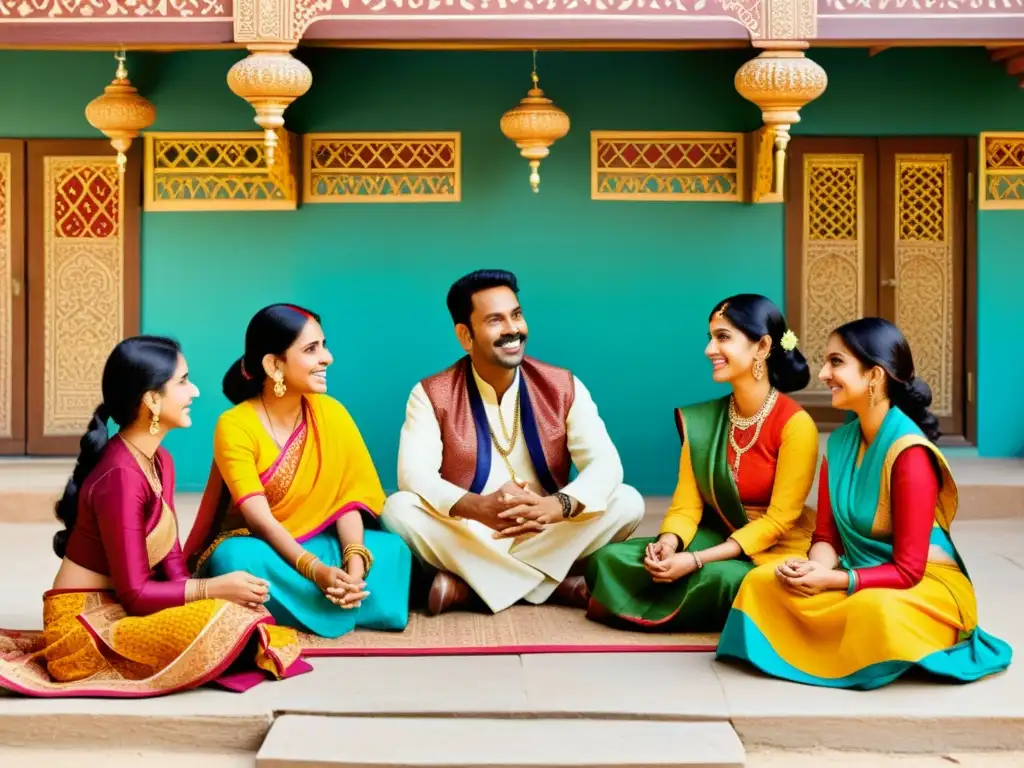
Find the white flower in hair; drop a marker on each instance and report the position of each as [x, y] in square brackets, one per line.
[789, 341]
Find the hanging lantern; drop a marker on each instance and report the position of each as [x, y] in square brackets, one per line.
[270, 79]
[534, 126]
[120, 113]
[781, 81]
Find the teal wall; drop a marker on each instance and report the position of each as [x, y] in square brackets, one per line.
[617, 291]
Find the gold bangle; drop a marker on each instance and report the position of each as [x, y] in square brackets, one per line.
[361, 551]
[306, 565]
[697, 560]
[195, 590]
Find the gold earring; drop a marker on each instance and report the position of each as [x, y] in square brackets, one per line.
[758, 369]
[154, 424]
[279, 387]
[871, 396]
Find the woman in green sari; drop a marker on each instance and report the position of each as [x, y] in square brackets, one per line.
[746, 466]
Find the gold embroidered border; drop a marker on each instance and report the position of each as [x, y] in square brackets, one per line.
[219, 172]
[1001, 170]
[666, 165]
[382, 168]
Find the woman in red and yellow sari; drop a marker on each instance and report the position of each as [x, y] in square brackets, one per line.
[123, 618]
[745, 469]
[293, 490]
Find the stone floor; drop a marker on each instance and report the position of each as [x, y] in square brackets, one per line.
[780, 724]
[910, 716]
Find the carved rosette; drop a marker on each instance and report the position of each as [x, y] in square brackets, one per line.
[270, 79]
[534, 125]
[120, 113]
[781, 81]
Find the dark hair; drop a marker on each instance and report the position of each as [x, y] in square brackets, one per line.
[271, 331]
[460, 295]
[757, 316]
[874, 341]
[137, 365]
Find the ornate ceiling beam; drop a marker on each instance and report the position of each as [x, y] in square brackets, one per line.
[183, 23]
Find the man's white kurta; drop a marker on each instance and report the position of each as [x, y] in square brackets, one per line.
[504, 571]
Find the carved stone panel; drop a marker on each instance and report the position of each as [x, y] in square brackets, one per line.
[665, 165]
[219, 172]
[83, 286]
[382, 167]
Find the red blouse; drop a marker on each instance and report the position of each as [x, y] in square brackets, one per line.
[915, 492]
[117, 508]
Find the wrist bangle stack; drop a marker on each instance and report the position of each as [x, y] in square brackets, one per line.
[306, 565]
[196, 590]
[357, 549]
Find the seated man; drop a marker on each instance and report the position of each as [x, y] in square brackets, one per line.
[484, 463]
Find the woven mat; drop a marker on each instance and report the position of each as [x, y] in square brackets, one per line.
[519, 629]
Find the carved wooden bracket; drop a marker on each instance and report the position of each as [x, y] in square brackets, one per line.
[275, 21]
[786, 20]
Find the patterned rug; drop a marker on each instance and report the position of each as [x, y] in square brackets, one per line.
[519, 629]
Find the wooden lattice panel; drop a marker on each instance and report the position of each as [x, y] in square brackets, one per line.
[219, 172]
[832, 290]
[762, 160]
[382, 168]
[925, 269]
[6, 299]
[1001, 181]
[83, 285]
[660, 165]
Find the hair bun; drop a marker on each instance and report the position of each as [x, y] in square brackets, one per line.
[788, 370]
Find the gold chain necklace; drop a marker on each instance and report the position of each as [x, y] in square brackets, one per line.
[741, 423]
[270, 421]
[506, 452]
[147, 465]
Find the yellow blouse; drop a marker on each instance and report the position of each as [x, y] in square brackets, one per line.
[775, 479]
[328, 472]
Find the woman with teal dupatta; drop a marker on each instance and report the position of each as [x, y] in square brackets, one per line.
[745, 469]
[883, 589]
[293, 492]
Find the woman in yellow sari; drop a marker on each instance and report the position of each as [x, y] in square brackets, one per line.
[293, 489]
[123, 618]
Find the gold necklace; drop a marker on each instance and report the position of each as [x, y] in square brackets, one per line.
[270, 421]
[146, 464]
[506, 452]
[741, 423]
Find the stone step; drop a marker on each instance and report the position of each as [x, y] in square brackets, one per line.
[299, 741]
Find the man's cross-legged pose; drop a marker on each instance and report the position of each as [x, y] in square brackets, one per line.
[484, 465]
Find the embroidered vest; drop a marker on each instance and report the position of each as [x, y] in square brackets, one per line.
[545, 396]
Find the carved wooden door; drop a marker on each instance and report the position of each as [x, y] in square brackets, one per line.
[83, 281]
[879, 227]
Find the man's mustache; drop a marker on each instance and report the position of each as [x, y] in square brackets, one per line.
[509, 338]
